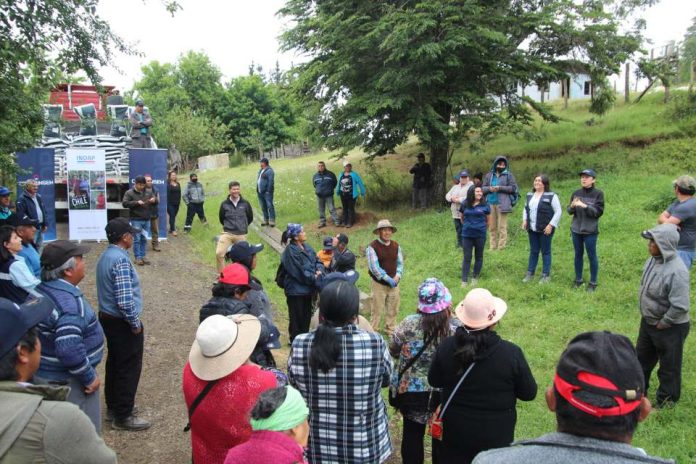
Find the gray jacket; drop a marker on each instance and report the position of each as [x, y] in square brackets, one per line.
[563, 448]
[137, 124]
[193, 193]
[664, 287]
[38, 425]
[506, 183]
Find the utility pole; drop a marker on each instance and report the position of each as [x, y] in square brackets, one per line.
[627, 83]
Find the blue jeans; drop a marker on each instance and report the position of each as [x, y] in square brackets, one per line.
[458, 229]
[539, 242]
[140, 240]
[469, 245]
[589, 241]
[266, 204]
[688, 257]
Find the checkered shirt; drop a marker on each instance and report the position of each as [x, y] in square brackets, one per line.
[348, 418]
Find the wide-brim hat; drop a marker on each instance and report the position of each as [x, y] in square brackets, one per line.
[223, 344]
[480, 309]
[383, 224]
[433, 296]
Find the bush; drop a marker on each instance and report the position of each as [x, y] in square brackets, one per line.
[394, 189]
[236, 159]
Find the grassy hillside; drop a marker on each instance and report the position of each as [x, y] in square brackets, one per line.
[637, 152]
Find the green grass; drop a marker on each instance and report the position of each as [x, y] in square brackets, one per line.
[541, 319]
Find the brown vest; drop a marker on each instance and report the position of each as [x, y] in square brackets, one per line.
[386, 256]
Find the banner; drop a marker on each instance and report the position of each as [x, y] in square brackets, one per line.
[152, 162]
[38, 164]
[86, 193]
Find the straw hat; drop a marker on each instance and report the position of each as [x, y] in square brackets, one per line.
[384, 224]
[223, 344]
[480, 309]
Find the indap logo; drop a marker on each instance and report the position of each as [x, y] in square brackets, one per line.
[86, 158]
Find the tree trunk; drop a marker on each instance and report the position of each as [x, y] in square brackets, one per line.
[627, 83]
[439, 149]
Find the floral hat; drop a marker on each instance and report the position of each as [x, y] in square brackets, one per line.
[294, 230]
[433, 296]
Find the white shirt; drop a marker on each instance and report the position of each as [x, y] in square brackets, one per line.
[456, 195]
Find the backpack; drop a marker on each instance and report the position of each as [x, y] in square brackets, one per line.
[515, 196]
[281, 273]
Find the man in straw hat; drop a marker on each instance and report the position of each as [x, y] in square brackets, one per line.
[385, 263]
[598, 397]
[221, 385]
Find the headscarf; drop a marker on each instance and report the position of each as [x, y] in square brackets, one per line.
[293, 230]
[290, 414]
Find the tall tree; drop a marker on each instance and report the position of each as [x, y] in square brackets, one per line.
[384, 69]
[687, 52]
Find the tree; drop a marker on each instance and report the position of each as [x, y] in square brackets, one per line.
[384, 69]
[688, 53]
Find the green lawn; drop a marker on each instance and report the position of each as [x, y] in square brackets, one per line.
[541, 319]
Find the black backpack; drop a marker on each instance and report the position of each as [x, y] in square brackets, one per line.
[280, 275]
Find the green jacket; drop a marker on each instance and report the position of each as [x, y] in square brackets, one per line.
[37, 425]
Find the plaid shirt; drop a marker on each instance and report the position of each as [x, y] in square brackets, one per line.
[347, 418]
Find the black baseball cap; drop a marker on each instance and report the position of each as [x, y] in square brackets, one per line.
[16, 221]
[56, 253]
[602, 364]
[140, 180]
[15, 321]
[242, 252]
[119, 226]
[328, 243]
[588, 172]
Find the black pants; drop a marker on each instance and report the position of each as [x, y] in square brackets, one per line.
[124, 362]
[300, 314]
[412, 444]
[475, 245]
[348, 203]
[667, 347]
[172, 211]
[191, 210]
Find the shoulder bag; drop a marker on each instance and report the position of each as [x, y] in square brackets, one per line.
[396, 399]
[435, 427]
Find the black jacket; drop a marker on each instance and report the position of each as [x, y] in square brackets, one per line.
[482, 413]
[130, 201]
[236, 219]
[324, 183]
[586, 220]
[342, 262]
[422, 175]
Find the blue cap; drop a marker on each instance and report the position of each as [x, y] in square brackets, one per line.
[588, 172]
[4, 192]
[15, 321]
[464, 173]
[139, 102]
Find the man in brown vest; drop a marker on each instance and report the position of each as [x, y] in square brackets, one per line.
[386, 266]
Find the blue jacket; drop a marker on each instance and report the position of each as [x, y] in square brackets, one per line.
[300, 267]
[358, 186]
[27, 207]
[72, 340]
[324, 183]
[267, 182]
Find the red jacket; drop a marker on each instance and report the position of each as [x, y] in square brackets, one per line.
[266, 447]
[221, 420]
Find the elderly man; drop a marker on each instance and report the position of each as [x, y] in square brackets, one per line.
[455, 197]
[5, 206]
[139, 200]
[30, 204]
[598, 397]
[265, 186]
[682, 213]
[385, 264]
[141, 122]
[120, 306]
[71, 338]
[154, 212]
[235, 216]
[26, 229]
[37, 424]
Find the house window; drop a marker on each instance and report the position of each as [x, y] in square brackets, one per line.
[587, 87]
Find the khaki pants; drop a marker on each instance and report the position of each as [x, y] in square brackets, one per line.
[498, 228]
[226, 239]
[384, 298]
[154, 230]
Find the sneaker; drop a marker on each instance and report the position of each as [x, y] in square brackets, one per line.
[591, 287]
[109, 416]
[577, 284]
[528, 277]
[465, 284]
[474, 281]
[321, 226]
[271, 223]
[264, 223]
[132, 423]
[545, 279]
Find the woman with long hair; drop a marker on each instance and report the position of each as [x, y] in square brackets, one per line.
[475, 214]
[16, 279]
[482, 376]
[414, 343]
[302, 268]
[173, 200]
[340, 371]
[540, 216]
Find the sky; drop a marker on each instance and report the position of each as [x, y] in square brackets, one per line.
[233, 33]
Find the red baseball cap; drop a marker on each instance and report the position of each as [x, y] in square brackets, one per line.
[234, 274]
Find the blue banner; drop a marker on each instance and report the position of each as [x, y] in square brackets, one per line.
[38, 164]
[153, 162]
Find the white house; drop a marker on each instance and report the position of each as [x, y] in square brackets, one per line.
[579, 86]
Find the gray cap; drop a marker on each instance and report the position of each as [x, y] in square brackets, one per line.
[686, 183]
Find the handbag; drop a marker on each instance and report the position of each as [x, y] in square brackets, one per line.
[435, 426]
[395, 399]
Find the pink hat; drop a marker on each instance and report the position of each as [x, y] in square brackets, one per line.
[480, 309]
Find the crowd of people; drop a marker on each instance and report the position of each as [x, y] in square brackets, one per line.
[449, 374]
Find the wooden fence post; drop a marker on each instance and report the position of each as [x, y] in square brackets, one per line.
[627, 83]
